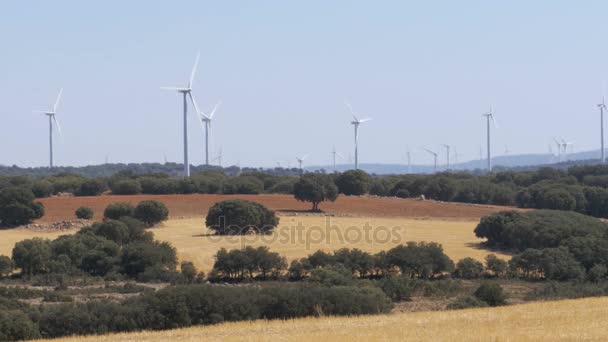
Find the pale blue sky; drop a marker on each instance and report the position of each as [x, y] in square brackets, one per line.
[424, 70]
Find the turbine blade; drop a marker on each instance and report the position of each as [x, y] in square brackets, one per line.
[41, 111]
[196, 111]
[57, 124]
[365, 120]
[57, 101]
[172, 88]
[214, 109]
[350, 108]
[198, 55]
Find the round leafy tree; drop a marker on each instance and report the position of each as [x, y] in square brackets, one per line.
[354, 182]
[84, 213]
[315, 188]
[17, 207]
[234, 217]
[115, 211]
[151, 212]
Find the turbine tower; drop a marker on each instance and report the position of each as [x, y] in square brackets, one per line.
[219, 157]
[186, 91]
[300, 161]
[334, 154]
[447, 150]
[356, 122]
[51, 115]
[602, 107]
[489, 116]
[559, 150]
[434, 158]
[409, 161]
[206, 125]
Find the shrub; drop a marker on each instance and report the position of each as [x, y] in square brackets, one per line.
[490, 293]
[32, 256]
[331, 276]
[6, 265]
[115, 211]
[420, 259]
[315, 188]
[17, 326]
[232, 217]
[84, 213]
[125, 187]
[17, 207]
[353, 182]
[397, 288]
[140, 257]
[497, 266]
[42, 188]
[188, 271]
[91, 187]
[468, 268]
[112, 230]
[467, 302]
[402, 193]
[151, 212]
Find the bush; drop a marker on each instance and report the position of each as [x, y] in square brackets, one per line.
[139, 257]
[248, 262]
[151, 212]
[17, 207]
[112, 230]
[402, 193]
[497, 266]
[353, 182]
[91, 187]
[32, 256]
[490, 293]
[42, 188]
[188, 271]
[84, 213]
[397, 288]
[17, 326]
[331, 276]
[233, 217]
[115, 211]
[468, 268]
[125, 187]
[6, 265]
[315, 188]
[423, 260]
[466, 303]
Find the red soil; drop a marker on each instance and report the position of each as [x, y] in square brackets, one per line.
[62, 208]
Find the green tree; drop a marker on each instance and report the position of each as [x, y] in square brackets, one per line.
[151, 212]
[491, 293]
[6, 265]
[497, 266]
[84, 213]
[468, 268]
[353, 182]
[315, 188]
[17, 206]
[115, 211]
[188, 271]
[233, 217]
[32, 256]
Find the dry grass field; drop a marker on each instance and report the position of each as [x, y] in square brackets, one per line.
[566, 320]
[298, 236]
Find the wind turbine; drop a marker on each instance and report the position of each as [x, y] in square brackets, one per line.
[206, 125]
[434, 157]
[356, 122]
[409, 161]
[447, 148]
[559, 149]
[186, 91]
[334, 154]
[602, 107]
[489, 116]
[51, 115]
[219, 157]
[300, 161]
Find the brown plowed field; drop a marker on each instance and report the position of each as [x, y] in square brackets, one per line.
[62, 208]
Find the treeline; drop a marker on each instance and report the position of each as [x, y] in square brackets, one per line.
[555, 245]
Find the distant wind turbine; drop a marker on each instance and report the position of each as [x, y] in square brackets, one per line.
[186, 91]
[489, 116]
[206, 125]
[447, 154]
[559, 149]
[219, 157]
[334, 155]
[409, 161]
[51, 115]
[434, 154]
[301, 161]
[356, 122]
[602, 107]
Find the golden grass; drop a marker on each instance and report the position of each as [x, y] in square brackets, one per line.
[298, 236]
[195, 244]
[566, 320]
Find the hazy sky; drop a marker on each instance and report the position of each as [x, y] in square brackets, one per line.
[425, 71]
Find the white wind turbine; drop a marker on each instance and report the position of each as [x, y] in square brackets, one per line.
[219, 157]
[434, 154]
[447, 151]
[51, 115]
[206, 124]
[334, 155]
[356, 122]
[602, 107]
[186, 91]
[300, 161]
[559, 149]
[489, 116]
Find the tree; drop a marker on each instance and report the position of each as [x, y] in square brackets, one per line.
[140, 257]
[234, 217]
[84, 213]
[6, 265]
[32, 255]
[353, 182]
[17, 207]
[188, 271]
[468, 268]
[497, 266]
[112, 230]
[315, 188]
[42, 188]
[15, 325]
[115, 211]
[91, 187]
[151, 212]
[125, 187]
[490, 293]
[420, 259]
